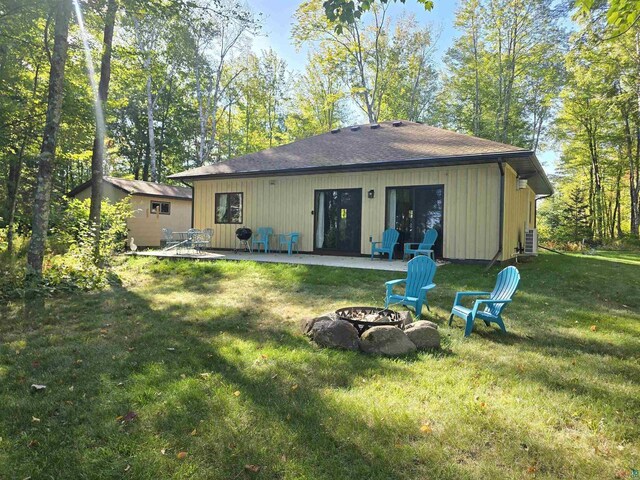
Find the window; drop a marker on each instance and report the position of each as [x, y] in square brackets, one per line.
[163, 208]
[228, 207]
[413, 209]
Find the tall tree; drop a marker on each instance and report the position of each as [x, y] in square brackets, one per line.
[98, 153]
[40, 224]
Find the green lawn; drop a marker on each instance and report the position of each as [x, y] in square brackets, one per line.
[209, 358]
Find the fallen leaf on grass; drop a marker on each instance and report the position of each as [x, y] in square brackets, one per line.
[205, 375]
[35, 419]
[127, 468]
[104, 331]
[163, 451]
[38, 388]
[33, 443]
[252, 468]
[426, 428]
[237, 393]
[594, 328]
[294, 387]
[532, 469]
[129, 417]
[194, 432]
[181, 455]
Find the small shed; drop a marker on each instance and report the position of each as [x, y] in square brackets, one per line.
[155, 206]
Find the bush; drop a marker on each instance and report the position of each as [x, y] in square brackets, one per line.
[73, 232]
[69, 264]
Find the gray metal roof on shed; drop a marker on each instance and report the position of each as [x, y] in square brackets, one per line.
[385, 147]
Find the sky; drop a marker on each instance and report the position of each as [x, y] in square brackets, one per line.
[277, 18]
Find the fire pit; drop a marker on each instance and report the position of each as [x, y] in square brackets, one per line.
[363, 318]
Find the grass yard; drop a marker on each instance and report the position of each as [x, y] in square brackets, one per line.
[206, 359]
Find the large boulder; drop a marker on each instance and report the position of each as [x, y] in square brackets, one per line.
[386, 340]
[335, 334]
[424, 334]
[307, 323]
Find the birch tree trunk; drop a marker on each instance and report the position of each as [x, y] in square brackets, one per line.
[97, 156]
[40, 224]
[152, 135]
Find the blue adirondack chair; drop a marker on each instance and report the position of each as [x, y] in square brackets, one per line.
[506, 286]
[420, 273]
[430, 237]
[262, 238]
[289, 240]
[389, 241]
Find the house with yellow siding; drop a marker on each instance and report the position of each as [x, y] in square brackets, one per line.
[343, 188]
[155, 206]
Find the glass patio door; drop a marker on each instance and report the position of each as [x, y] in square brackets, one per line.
[413, 210]
[338, 216]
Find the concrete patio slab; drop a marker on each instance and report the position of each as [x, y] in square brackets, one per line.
[296, 259]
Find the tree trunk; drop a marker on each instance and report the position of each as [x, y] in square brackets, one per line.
[40, 224]
[98, 157]
[152, 139]
[15, 173]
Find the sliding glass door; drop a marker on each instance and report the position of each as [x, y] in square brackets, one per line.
[413, 210]
[338, 216]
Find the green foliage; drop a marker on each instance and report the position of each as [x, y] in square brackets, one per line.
[349, 11]
[73, 233]
[70, 264]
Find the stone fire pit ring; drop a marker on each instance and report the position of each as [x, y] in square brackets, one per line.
[364, 318]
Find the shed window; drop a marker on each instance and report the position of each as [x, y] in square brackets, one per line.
[229, 207]
[163, 208]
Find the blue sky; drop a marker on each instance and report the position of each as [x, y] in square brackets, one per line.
[278, 18]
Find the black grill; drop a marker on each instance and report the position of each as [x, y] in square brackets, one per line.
[244, 233]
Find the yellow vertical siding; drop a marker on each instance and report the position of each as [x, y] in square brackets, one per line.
[519, 213]
[285, 203]
[146, 227]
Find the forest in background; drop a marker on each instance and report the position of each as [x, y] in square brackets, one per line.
[181, 86]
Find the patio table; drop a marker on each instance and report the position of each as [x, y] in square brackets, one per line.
[183, 239]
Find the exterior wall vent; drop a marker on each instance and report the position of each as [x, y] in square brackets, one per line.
[355, 128]
[374, 126]
[335, 130]
[531, 241]
[397, 123]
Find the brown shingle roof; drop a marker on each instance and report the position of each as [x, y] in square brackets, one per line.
[385, 147]
[140, 187]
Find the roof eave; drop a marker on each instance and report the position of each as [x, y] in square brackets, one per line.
[394, 164]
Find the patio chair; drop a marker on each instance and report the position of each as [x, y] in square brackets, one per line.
[426, 246]
[209, 231]
[387, 245]
[506, 286]
[167, 238]
[420, 273]
[289, 240]
[262, 237]
[200, 240]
